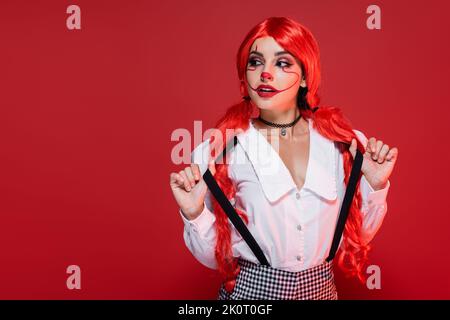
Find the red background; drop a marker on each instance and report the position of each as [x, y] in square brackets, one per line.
[86, 119]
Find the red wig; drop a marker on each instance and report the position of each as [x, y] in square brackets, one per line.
[328, 121]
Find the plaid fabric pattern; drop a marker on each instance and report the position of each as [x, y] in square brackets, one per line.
[259, 282]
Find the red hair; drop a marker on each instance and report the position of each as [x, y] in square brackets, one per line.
[328, 121]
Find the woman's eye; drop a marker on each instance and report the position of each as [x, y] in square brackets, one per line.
[253, 62]
[286, 64]
[256, 62]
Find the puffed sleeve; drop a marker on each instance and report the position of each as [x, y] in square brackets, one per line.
[374, 204]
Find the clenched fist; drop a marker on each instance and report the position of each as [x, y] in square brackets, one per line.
[378, 161]
[189, 189]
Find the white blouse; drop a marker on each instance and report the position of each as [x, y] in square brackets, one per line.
[294, 227]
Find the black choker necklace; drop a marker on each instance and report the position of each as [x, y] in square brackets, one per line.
[283, 126]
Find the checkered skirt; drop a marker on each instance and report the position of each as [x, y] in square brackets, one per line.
[259, 282]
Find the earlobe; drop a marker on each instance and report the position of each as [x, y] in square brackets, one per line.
[303, 83]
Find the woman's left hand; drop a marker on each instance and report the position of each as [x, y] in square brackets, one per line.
[378, 162]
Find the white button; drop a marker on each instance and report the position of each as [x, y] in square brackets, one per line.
[299, 258]
[299, 227]
[297, 195]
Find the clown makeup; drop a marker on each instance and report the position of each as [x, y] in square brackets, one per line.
[273, 75]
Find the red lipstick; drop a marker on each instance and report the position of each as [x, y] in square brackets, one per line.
[266, 91]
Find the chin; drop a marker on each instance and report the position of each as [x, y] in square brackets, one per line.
[267, 104]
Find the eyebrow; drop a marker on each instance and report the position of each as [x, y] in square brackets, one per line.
[276, 53]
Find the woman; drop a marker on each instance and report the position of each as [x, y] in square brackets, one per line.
[286, 183]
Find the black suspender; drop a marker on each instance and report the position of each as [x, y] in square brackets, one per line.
[231, 212]
[345, 208]
[245, 233]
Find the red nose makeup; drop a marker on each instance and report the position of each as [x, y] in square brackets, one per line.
[266, 75]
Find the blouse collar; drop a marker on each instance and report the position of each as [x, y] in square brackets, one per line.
[274, 176]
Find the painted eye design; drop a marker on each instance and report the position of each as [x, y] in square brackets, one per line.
[253, 62]
[286, 64]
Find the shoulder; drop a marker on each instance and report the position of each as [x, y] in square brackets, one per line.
[334, 116]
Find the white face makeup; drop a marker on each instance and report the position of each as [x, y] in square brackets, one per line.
[273, 75]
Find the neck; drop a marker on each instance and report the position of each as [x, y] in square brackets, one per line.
[277, 116]
[287, 116]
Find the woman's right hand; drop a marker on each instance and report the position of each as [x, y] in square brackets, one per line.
[189, 189]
